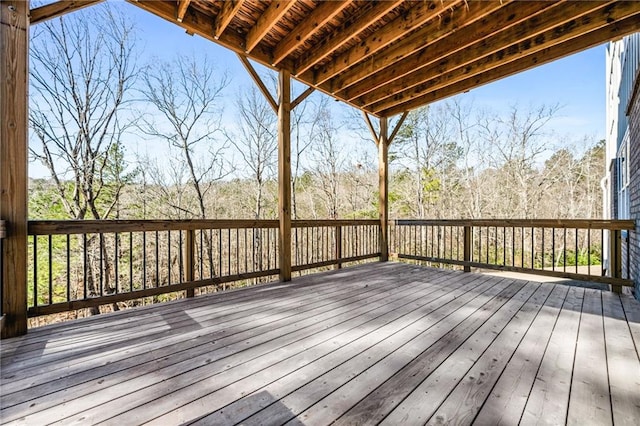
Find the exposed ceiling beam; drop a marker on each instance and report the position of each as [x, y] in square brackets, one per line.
[349, 30]
[610, 32]
[183, 5]
[507, 47]
[59, 8]
[478, 20]
[310, 25]
[516, 16]
[276, 10]
[229, 9]
[418, 15]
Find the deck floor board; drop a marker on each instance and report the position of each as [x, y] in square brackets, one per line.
[385, 343]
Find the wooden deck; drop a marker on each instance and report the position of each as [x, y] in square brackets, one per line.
[381, 343]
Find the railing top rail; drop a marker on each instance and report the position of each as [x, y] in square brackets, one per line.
[53, 227]
[527, 223]
[301, 223]
[63, 227]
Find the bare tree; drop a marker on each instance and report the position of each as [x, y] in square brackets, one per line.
[428, 148]
[328, 158]
[256, 143]
[82, 71]
[186, 93]
[515, 144]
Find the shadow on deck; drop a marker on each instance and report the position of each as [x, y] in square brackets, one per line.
[383, 343]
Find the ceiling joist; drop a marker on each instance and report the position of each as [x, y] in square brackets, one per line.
[501, 50]
[229, 9]
[301, 33]
[481, 20]
[183, 5]
[611, 32]
[418, 15]
[345, 33]
[276, 10]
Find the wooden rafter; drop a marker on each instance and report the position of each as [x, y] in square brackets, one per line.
[501, 50]
[515, 17]
[427, 38]
[59, 8]
[183, 5]
[304, 30]
[229, 9]
[418, 15]
[276, 10]
[611, 32]
[345, 33]
[256, 78]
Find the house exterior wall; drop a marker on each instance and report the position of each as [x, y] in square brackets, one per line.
[634, 183]
[621, 182]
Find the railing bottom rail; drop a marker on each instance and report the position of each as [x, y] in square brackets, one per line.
[559, 274]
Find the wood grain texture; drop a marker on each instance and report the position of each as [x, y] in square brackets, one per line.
[624, 376]
[14, 50]
[383, 188]
[284, 174]
[590, 398]
[386, 342]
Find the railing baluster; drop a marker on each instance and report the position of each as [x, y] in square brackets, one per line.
[157, 259]
[589, 251]
[116, 261]
[50, 301]
[130, 261]
[577, 250]
[35, 270]
[85, 264]
[564, 250]
[68, 267]
[553, 249]
[229, 251]
[101, 263]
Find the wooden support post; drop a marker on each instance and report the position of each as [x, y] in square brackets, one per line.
[615, 257]
[189, 259]
[338, 247]
[383, 175]
[14, 51]
[284, 173]
[467, 247]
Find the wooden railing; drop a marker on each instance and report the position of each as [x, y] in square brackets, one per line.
[558, 248]
[319, 243]
[86, 264]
